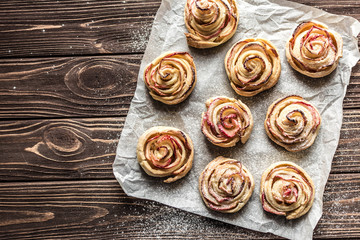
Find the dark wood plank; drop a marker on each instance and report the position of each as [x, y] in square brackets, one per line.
[67, 86]
[347, 156]
[101, 210]
[85, 148]
[58, 149]
[342, 7]
[45, 28]
[49, 28]
[341, 208]
[83, 86]
[352, 98]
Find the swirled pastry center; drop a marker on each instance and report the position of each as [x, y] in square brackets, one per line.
[171, 77]
[225, 185]
[252, 66]
[165, 151]
[292, 123]
[226, 121]
[314, 50]
[210, 22]
[286, 190]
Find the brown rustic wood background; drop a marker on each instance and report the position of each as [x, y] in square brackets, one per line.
[68, 71]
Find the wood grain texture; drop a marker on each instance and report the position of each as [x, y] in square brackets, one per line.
[342, 7]
[84, 86]
[101, 210]
[347, 156]
[58, 28]
[67, 86]
[85, 148]
[58, 149]
[49, 28]
[352, 98]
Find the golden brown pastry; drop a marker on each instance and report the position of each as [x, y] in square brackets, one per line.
[164, 152]
[314, 50]
[252, 66]
[292, 123]
[287, 190]
[210, 22]
[226, 121]
[225, 185]
[171, 77]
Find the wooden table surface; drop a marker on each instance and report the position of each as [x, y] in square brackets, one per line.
[68, 72]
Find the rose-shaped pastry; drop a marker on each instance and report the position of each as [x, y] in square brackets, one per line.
[286, 189]
[314, 50]
[171, 77]
[226, 121]
[210, 22]
[252, 66]
[225, 185]
[293, 123]
[165, 151]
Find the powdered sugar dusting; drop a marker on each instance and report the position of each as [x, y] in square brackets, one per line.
[340, 199]
[163, 221]
[140, 36]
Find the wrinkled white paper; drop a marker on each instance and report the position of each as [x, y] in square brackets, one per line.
[274, 20]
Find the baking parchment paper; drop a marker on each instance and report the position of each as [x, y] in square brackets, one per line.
[274, 20]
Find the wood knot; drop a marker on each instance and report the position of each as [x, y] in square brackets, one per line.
[98, 78]
[18, 216]
[63, 141]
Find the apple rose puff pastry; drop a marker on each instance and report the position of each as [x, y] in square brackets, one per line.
[252, 66]
[171, 77]
[225, 185]
[165, 151]
[314, 50]
[287, 190]
[292, 123]
[226, 121]
[210, 22]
